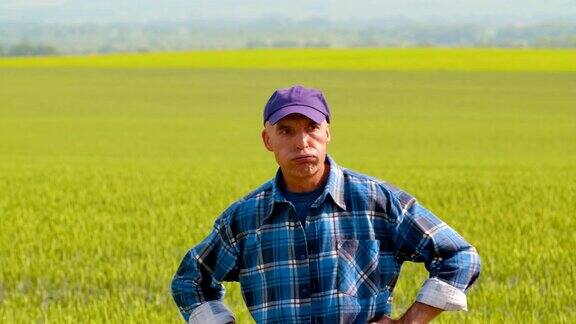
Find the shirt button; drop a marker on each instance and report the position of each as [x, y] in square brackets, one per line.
[302, 256]
[304, 291]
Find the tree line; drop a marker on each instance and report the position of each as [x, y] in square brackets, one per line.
[28, 49]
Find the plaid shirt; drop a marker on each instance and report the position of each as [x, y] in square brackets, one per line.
[341, 269]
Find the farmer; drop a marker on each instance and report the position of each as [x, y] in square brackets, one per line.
[320, 243]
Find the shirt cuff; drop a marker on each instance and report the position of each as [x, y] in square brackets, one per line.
[213, 311]
[439, 294]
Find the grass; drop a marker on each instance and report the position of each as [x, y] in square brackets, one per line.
[412, 59]
[108, 176]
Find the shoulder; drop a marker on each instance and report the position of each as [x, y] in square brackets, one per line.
[378, 191]
[355, 180]
[245, 213]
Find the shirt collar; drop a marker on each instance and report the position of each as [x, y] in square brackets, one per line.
[334, 188]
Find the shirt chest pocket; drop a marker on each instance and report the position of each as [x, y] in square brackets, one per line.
[358, 271]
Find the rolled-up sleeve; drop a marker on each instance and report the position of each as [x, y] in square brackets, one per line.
[199, 277]
[453, 264]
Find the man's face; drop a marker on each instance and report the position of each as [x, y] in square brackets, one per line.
[299, 144]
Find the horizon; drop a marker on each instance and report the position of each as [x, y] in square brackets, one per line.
[132, 11]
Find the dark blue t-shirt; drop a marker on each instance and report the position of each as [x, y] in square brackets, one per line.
[302, 202]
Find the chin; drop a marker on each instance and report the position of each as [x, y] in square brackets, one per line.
[306, 169]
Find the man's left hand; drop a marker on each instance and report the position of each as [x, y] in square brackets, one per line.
[418, 313]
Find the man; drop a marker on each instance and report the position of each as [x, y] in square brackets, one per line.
[320, 243]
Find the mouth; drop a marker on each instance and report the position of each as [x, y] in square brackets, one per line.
[304, 158]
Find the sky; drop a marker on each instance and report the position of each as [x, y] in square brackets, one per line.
[172, 10]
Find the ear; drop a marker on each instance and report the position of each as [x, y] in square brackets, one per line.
[266, 139]
[328, 137]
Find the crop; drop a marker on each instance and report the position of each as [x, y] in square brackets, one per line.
[109, 175]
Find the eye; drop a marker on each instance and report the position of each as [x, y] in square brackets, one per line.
[283, 131]
[314, 126]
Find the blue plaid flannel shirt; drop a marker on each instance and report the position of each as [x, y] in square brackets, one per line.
[342, 268]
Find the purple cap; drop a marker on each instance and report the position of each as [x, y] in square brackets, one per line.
[297, 99]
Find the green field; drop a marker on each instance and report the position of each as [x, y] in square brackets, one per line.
[110, 172]
[401, 59]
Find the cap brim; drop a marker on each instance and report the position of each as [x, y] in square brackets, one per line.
[309, 112]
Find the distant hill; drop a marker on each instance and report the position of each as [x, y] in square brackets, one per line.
[37, 27]
[17, 39]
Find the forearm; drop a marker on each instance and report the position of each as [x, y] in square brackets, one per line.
[213, 311]
[187, 292]
[420, 313]
[453, 264]
[199, 277]
[199, 305]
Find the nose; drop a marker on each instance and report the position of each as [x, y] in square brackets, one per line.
[302, 140]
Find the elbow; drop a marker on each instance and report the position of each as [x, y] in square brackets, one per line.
[177, 290]
[175, 286]
[475, 266]
[184, 295]
[461, 269]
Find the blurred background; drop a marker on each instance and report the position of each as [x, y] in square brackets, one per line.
[40, 27]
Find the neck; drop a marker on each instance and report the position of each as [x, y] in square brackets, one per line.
[310, 183]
